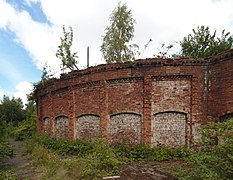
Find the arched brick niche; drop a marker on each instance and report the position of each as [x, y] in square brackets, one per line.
[46, 125]
[126, 128]
[129, 100]
[169, 128]
[87, 126]
[62, 127]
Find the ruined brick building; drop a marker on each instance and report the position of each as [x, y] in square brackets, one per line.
[156, 101]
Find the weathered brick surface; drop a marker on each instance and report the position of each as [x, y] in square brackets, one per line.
[87, 126]
[87, 99]
[62, 127]
[164, 93]
[46, 125]
[171, 94]
[125, 95]
[171, 99]
[169, 128]
[126, 127]
[220, 88]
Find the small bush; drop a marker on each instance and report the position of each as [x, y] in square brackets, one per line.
[211, 160]
[28, 146]
[7, 175]
[161, 153]
[65, 146]
[5, 150]
[139, 152]
[24, 130]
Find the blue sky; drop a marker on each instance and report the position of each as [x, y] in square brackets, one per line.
[30, 31]
[16, 65]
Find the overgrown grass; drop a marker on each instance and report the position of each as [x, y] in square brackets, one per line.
[7, 175]
[65, 146]
[212, 157]
[83, 159]
[143, 151]
[91, 161]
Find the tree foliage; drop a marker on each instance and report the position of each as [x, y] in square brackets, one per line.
[115, 46]
[30, 110]
[15, 122]
[201, 43]
[3, 126]
[11, 110]
[68, 59]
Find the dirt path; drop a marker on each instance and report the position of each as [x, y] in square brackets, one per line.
[20, 164]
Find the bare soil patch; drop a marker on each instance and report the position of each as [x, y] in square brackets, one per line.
[148, 171]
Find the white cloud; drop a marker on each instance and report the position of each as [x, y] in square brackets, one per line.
[163, 21]
[23, 86]
[22, 89]
[39, 39]
[6, 13]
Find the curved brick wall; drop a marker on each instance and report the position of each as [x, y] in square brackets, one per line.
[158, 101]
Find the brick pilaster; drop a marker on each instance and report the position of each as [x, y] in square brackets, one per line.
[147, 109]
[104, 117]
[72, 116]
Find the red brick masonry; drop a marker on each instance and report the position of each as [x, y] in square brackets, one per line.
[158, 101]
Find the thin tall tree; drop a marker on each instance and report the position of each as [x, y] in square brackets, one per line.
[115, 46]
